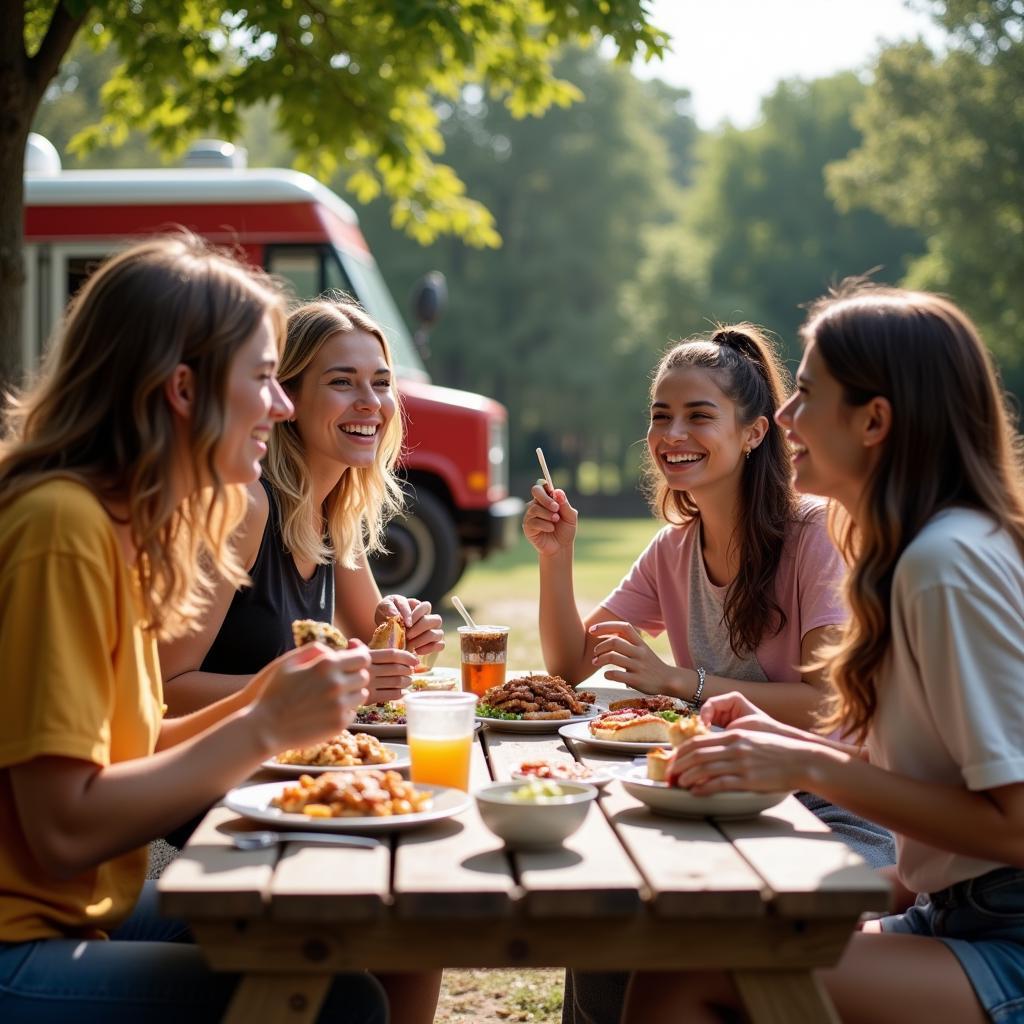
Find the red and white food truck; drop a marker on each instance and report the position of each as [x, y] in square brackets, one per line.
[456, 464]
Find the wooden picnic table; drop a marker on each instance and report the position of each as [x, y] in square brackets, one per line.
[768, 899]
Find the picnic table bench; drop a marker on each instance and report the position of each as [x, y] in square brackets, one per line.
[768, 899]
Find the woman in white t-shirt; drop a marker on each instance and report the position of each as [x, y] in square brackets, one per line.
[899, 419]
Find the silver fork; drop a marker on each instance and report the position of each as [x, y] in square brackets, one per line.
[263, 840]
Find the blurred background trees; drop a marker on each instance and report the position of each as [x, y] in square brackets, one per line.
[625, 227]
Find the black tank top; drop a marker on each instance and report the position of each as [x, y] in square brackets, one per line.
[258, 625]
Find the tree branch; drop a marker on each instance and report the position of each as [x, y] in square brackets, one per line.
[44, 63]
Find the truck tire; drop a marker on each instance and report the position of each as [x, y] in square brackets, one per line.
[423, 558]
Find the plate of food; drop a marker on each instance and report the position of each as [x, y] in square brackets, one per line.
[637, 725]
[440, 679]
[674, 802]
[534, 703]
[386, 721]
[561, 771]
[373, 801]
[346, 752]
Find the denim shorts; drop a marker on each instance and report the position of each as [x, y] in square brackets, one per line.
[982, 921]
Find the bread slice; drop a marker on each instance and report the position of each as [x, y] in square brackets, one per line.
[309, 631]
[686, 728]
[657, 764]
[630, 727]
[390, 634]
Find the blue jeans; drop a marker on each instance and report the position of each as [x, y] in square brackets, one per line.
[148, 971]
[982, 921]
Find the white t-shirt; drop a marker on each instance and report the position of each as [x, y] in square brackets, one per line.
[951, 691]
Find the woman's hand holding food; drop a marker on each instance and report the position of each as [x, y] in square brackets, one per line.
[550, 521]
[734, 711]
[632, 661]
[390, 672]
[308, 694]
[739, 759]
[424, 630]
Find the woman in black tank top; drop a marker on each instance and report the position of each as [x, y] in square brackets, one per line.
[328, 488]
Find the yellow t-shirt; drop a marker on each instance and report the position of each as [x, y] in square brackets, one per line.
[79, 678]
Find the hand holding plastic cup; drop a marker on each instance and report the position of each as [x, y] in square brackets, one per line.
[439, 729]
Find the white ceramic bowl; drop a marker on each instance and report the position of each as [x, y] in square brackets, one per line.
[529, 825]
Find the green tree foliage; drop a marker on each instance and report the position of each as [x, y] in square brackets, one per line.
[775, 238]
[354, 85]
[544, 323]
[943, 152]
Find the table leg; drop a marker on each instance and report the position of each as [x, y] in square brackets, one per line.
[784, 997]
[278, 998]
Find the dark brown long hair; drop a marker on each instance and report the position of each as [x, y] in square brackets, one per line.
[746, 366]
[951, 443]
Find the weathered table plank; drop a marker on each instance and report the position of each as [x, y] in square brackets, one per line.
[591, 874]
[810, 873]
[211, 880]
[455, 868]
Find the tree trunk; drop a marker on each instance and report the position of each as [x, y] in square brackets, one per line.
[22, 82]
[15, 119]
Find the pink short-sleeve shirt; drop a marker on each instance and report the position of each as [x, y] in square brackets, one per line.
[654, 595]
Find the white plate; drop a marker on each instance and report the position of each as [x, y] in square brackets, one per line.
[400, 750]
[681, 803]
[382, 730]
[598, 779]
[447, 675]
[580, 732]
[390, 732]
[253, 802]
[533, 725]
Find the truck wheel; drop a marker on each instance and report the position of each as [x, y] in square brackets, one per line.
[423, 555]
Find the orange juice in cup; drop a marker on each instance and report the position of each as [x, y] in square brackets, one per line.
[439, 729]
[444, 762]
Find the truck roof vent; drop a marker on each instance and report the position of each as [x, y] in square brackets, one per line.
[216, 153]
[41, 156]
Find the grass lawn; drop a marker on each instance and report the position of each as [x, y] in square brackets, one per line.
[503, 590]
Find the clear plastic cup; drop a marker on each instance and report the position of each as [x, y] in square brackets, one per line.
[439, 730]
[483, 650]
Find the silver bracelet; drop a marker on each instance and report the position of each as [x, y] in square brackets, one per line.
[700, 687]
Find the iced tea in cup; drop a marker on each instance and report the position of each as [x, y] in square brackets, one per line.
[439, 730]
[483, 657]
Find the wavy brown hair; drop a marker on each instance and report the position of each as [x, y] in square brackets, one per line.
[363, 500]
[746, 366]
[98, 413]
[951, 443]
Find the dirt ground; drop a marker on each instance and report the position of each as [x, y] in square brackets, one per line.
[478, 996]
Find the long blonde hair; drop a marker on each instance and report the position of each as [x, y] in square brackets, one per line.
[364, 499]
[951, 443]
[98, 413]
[746, 366]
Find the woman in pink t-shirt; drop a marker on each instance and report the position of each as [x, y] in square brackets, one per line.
[743, 577]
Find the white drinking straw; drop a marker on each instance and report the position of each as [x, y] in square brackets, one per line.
[545, 470]
[461, 609]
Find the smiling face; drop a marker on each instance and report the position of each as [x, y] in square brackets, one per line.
[695, 437]
[254, 402]
[344, 402]
[832, 450]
